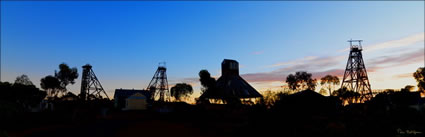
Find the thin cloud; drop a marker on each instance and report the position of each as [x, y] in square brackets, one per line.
[191, 81]
[271, 77]
[333, 72]
[398, 60]
[241, 66]
[335, 65]
[263, 77]
[320, 67]
[293, 62]
[315, 65]
[257, 52]
[405, 75]
[406, 41]
[318, 63]
[397, 43]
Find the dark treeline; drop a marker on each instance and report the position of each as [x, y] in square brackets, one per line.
[298, 111]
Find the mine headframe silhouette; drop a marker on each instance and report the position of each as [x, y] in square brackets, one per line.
[158, 87]
[355, 75]
[90, 85]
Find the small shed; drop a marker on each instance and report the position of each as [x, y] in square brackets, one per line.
[137, 101]
[130, 99]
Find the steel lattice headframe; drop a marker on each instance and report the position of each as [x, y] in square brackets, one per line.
[90, 85]
[159, 85]
[355, 75]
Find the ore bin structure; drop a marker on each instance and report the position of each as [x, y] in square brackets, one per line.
[231, 84]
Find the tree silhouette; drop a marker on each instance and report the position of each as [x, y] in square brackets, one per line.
[208, 83]
[24, 92]
[28, 95]
[181, 90]
[269, 99]
[407, 88]
[389, 91]
[346, 95]
[329, 82]
[56, 85]
[292, 81]
[51, 85]
[322, 91]
[301, 81]
[23, 79]
[419, 75]
[66, 75]
[23, 95]
[69, 96]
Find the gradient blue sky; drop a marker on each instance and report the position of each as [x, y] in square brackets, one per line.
[124, 41]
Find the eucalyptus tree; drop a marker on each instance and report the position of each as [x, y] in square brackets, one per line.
[329, 82]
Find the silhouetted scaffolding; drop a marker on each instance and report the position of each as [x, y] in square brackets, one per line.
[355, 75]
[90, 85]
[159, 84]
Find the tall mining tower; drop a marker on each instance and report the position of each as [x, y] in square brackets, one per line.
[158, 87]
[90, 85]
[355, 75]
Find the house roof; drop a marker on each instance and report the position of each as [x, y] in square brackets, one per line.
[236, 86]
[137, 95]
[125, 93]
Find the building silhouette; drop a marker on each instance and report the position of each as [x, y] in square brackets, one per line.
[131, 99]
[231, 84]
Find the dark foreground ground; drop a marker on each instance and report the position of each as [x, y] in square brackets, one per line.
[217, 120]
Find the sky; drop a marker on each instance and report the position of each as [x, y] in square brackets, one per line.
[124, 41]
